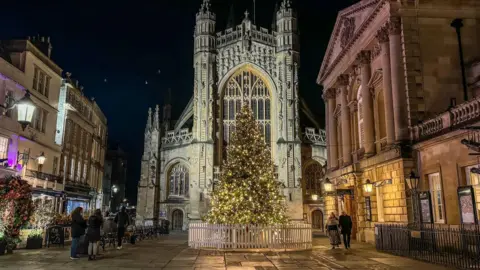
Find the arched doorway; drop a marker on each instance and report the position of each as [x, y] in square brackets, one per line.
[177, 220]
[317, 219]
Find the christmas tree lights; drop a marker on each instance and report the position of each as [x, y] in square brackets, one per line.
[248, 192]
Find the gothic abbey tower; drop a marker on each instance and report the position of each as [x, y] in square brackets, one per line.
[243, 65]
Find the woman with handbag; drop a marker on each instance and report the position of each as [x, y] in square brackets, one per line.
[332, 230]
[95, 223]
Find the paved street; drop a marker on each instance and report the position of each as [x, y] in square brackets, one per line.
[171, 252]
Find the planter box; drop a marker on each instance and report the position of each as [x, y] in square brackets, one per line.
[3, 248]
[34, 243]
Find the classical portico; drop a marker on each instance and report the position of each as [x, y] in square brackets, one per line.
[367, 115]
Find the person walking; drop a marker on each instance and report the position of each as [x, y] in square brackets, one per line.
[332, 230]
[122, 221]
[78, 229]
[345, 222]
[95, 223]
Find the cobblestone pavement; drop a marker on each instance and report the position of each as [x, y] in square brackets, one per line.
[171, 252]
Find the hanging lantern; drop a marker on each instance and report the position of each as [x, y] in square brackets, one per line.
[327, 185]
[25, 110]
[368, 187]
[41, 159]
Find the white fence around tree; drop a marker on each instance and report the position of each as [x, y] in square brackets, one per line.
[296, 236]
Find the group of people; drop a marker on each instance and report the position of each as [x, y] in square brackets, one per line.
[344, 223]
[94, 228]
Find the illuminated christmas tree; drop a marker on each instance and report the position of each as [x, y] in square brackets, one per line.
[248, 192]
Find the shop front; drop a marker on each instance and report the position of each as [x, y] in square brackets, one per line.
[77, 195]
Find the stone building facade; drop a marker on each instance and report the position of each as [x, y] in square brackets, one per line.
[389, 65]
[244, 65]
[82, 133]
[67, 129]
[26, 65]
[449, 174]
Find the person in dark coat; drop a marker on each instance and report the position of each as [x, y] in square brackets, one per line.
[345, 223]
[78, 229]
[95, 223]
[123, 220]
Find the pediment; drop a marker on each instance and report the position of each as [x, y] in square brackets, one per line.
[349, 24]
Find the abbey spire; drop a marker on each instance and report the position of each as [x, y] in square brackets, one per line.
[149, 121]
[156, 118]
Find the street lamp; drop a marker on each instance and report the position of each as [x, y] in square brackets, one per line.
[114, 190]
[314, 197]
[25, 110]
[412, 183]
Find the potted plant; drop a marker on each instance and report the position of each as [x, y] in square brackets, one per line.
[3, 246]
[3, 243]
[35, 239]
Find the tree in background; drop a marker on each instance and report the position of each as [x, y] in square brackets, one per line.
[248, 192]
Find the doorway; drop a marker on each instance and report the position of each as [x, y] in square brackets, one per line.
[177, 220]
[317, 219]
[351, 209]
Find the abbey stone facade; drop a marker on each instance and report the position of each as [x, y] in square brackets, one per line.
[243, 65]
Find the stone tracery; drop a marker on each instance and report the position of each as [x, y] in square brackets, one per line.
[246, 87]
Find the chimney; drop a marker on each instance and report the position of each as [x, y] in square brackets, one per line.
[43, 44]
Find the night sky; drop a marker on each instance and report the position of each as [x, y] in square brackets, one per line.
[129, 42]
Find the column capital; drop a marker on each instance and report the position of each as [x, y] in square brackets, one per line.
[382, 35]
[342, 90]
[364, 57]
[329, 93]
[353, 105]
[342, 80]
[395, 26]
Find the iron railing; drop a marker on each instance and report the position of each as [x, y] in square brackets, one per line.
[457, 246]
[43, 176]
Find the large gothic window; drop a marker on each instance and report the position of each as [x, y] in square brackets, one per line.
[179, 181]
[246, 87]
[314, 174]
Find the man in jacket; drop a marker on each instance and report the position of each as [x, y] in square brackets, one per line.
[123, 220]
[345, 223]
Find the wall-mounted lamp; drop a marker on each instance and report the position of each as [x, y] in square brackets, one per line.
[41, 159]
[25, 110]
[368, 186]
[329, 186]
[25, 157]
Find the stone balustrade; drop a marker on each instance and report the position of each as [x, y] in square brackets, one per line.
[319, 138]
[183, 136]
[258, 34]
[455, 117]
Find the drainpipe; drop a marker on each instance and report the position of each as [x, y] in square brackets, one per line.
[458, 24]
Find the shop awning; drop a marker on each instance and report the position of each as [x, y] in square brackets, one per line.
[49, 192]
[76, 195]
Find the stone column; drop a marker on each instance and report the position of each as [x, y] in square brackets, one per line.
[382, 37]
[342, 82]
[398, 81]
[367, 104]
[354, 130]
[327, 129]
[329, 94]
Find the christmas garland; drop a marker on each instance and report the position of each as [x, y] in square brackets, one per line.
[16, 208]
